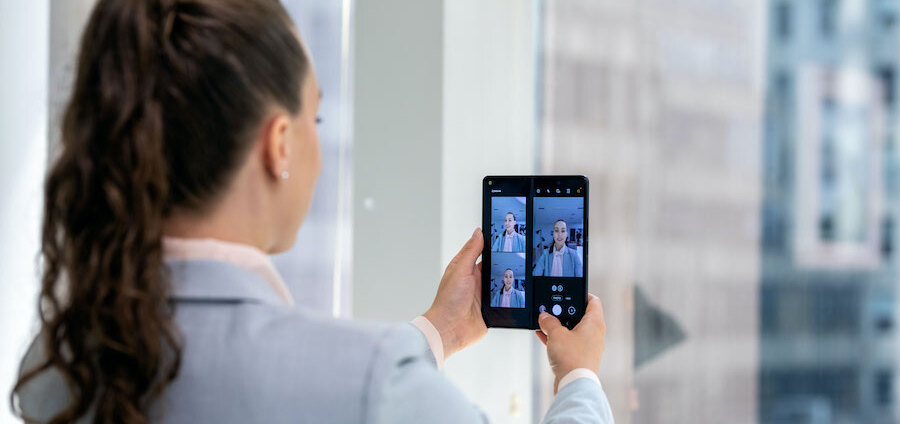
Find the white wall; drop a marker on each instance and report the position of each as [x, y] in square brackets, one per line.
[444, 95]
[397, 157]
[24, 41]
[67, 21]
[489, 129]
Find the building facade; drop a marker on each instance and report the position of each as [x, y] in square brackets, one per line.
[828, 284]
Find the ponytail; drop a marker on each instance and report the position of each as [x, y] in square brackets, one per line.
[164, 97]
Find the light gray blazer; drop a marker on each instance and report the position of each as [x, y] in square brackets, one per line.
[248, 358]
[518, 242]
[571, 263]
[516, 299]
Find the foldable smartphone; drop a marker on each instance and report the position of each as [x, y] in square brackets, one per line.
[535, 251]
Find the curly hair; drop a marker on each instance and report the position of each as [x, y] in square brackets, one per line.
[166, 97]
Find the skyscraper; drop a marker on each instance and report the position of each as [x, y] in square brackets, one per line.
[828, 285]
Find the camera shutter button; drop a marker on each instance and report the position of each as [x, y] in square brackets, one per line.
[557, 310]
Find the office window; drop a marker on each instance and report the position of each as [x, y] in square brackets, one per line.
[887, 237]
[816, 158]
[315, 268]
[785, 163]
[779, 129]
[885, 14]
[828, 17]
[804, 394]
[782, 97]
[835, 308]
[774, 228]
[769, 310]
[783, 16]
[887, 78]
[891, 167]
[888, 20]
[828, 177]
[884, 387]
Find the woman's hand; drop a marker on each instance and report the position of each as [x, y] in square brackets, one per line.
[582, 347]
[456, 311]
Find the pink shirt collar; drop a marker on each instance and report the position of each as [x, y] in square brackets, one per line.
[559, 252]
[242, 255]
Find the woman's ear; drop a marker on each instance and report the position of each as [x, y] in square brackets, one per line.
[276, 148]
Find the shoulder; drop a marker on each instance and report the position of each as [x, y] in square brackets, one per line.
[263, 331]
[282, 364]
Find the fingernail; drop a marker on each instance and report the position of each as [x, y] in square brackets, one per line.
[476, 233]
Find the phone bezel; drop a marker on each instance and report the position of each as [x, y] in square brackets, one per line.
[526, 318]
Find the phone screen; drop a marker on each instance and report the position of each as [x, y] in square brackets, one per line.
[535, 230]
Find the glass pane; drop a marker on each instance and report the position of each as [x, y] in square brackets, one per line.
[744, 185]
[314, 268]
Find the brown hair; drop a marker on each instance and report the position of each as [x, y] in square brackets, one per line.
[166, 98]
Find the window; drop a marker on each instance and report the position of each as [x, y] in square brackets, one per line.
[815, 162]
[318, 270]
[887, 237]
[888, 20]
[828, 17]
[884, 387]
[887, 77]
[783, 21]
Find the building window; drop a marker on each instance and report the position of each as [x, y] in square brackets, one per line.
[784, 90]
[796, 395]
[783, 21]
[887, 77]
[828, 177]
[828, 17]
[888, 19]
[773, 236]
[884, 387]
[887, 237]
[769, 307]
[891, 167]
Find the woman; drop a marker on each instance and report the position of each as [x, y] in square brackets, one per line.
[510, 240]
[559, 260]
[189, 152]
[507, 296]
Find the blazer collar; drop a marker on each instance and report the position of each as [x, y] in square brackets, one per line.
[218, 281]
[242, 255]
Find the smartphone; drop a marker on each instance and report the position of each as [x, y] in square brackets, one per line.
[536, 249]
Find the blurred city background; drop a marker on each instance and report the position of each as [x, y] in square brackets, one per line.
[744, 166]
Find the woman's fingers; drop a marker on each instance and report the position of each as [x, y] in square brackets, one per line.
[593, 315]
[471, 250]
[595, 306]
[541, 336]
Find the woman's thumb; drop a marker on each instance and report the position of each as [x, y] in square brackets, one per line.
[548, 323]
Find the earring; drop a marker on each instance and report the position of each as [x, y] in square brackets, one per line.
[285, 175]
